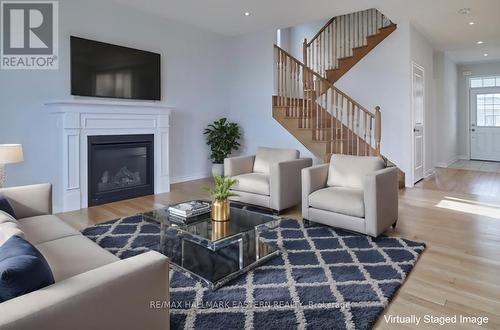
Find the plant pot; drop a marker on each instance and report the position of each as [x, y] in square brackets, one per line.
[217, 169]
[220, 210]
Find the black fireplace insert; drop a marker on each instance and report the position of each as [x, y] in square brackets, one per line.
[120, 167]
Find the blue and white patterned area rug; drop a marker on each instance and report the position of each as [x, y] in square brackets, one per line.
[323, 279]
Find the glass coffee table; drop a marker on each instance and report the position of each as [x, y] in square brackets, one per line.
[216, 252]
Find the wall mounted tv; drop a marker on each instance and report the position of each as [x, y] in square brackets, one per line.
[99, 69]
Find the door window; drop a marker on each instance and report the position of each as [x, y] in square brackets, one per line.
[488, 110]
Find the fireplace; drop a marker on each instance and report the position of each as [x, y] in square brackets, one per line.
[120, 167]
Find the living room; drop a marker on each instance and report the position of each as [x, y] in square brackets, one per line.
[314, 164]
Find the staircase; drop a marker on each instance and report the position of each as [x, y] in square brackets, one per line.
[306, 102]
[344, 40]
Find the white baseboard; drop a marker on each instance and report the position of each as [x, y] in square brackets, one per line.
[189, 177]
[448, 163]
[429, 172]
[464, 157]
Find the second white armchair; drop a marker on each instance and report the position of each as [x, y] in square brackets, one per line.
[352, 192]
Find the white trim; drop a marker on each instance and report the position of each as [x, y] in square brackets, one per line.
[412, 125]
[429, 172]
[448, 163]
[77, 120]
[189, 177]
[465, 157]
[77, 105]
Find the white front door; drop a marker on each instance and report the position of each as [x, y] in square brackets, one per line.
[485, 124]
[418, 111]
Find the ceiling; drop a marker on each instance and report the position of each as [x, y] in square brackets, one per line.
[438, 20]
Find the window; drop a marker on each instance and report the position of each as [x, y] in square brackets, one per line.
[488, 110]
[485, 82]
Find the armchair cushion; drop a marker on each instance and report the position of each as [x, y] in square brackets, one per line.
[256, 183]
[348, 201]
[350, 171]
[238, 165]
[267, 156]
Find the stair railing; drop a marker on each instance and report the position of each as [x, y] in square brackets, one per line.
[339, 36]
[334, 118]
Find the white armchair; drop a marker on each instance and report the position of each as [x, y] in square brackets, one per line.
[352, 192]
[269, 179]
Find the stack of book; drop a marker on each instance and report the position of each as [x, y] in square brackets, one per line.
[183, 211]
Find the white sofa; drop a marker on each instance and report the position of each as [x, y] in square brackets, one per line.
[269, 179]
[352, 192]
[93, 288]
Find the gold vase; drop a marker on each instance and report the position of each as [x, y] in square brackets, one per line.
[220, 210]
[220, 229]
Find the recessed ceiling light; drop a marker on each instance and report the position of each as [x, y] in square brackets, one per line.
[485, 54]
[472, 23]
[464, 11]
[480, 42]
[247, 13]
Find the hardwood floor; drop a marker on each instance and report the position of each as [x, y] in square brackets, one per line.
[456, 212]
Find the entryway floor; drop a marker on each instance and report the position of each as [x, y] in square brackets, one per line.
[476, 165]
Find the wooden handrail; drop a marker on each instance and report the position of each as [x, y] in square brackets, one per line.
[330, 21]
[323, 80]
[338, 38]
[334, 118]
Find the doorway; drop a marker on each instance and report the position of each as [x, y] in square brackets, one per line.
[485, 124]
[418, 114]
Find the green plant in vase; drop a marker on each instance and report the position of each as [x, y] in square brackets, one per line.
[222, 136]
[220, 194]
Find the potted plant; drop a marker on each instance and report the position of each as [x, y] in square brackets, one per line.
[222, 137]
[220, 196]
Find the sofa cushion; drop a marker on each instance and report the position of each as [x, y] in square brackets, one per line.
[350, 171]
[347, 201]
[72, 255]
[9, 229]
[6, 217]
[45, 228]
[267, 156]
[6, 207]
[22, 269]
[256, 183]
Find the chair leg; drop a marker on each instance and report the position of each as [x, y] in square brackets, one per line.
[394, 224]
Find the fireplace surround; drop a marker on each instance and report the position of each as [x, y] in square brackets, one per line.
[75, 121]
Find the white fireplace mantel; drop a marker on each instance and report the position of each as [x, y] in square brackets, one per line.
[79, 119]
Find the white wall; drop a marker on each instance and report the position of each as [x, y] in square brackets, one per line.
[194, 82]
[383, 78]
[446, 110]
[477, 69]
[299, 33]
[421, 53]
[251, 87]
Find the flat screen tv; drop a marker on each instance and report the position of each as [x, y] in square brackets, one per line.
[99, 69]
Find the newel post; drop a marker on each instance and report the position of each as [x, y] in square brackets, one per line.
[378, 129]
[304, 50]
